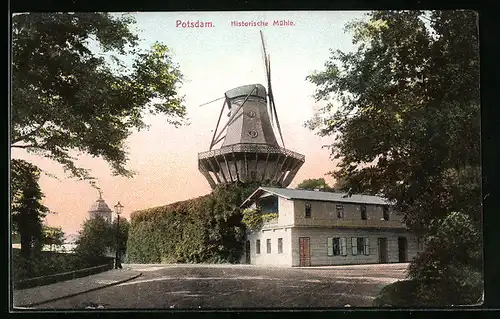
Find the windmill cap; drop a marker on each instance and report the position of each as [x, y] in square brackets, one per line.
[258, 90]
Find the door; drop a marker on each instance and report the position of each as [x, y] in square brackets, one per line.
[304, 252]
[403, 249]
[382, 251]
[247, 252]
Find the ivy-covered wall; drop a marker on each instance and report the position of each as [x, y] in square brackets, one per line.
[203, 229]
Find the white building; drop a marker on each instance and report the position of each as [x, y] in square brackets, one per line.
[322, 228]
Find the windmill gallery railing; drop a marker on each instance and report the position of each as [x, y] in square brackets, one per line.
[250, 162]
[251, 148]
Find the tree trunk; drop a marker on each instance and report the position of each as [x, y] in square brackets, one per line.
[25, 246]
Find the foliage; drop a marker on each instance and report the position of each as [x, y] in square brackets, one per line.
[203, 229]
[97, 237]
[53, 236]
[26, 207]
[448, 272]
[71, 90]
[436, 293]
[404, 112]
[315, 184]
[47, 263]
[16, 239]
[452, 249]
[253, 219]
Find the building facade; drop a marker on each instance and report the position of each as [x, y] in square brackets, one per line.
[315, 228]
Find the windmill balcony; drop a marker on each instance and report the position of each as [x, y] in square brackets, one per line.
[250, 163]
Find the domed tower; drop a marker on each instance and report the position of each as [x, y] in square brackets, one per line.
[250, 151]
[100, 208]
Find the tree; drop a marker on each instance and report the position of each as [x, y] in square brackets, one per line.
[340, 184]
[98, 237]
[95, 238]
[315, 184]
[53, 236]
[68, 97]
[26, 207]
[404, 112]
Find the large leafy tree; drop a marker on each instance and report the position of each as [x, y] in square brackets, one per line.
[26, 207]
[73, 92]
[404, 112]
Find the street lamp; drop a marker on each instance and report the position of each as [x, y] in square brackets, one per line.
[118, 211]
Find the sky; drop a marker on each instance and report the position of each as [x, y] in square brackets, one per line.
[213, 60]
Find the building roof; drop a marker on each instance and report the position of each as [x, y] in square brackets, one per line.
[290, 193]
[100, 206]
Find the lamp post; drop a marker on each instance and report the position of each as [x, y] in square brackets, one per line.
[118, 211]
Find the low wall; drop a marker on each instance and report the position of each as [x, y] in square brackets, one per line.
[47, 280]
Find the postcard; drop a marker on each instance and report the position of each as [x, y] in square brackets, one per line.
[245, 160]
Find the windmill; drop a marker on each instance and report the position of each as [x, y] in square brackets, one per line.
[249, 150]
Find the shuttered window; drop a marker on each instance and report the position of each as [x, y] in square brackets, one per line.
[363, 211]
[329, 246]
[367, 246]
[360, 245]
[269, 246]
[340, 211]
[343, 246]
[280, 245]
[257, 246]
[386, 212]
[336, 246]
[308, 210]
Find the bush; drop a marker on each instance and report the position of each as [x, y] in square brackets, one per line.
[432, 293]
[447, 272]
[206, 229]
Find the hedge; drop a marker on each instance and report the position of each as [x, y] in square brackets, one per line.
[206, 229]
[47, 263]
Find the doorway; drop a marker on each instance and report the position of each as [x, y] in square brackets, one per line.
[304, 252]
[382, 251]
[403, 249]
[247, 252]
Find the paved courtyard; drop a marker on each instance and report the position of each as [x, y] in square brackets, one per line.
[239, 286]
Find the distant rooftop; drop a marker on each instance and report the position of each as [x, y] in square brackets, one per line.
[290, 193]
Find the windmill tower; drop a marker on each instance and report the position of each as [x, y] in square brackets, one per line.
[249, 151]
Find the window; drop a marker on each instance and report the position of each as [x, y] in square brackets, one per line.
[257, 246]
[386, 212]
[308, 209]
[420, 243]
[360, 245]
[336, 246]
[363, 211]
[340, 211]
[280, 245]
[269, 246]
